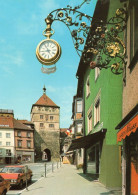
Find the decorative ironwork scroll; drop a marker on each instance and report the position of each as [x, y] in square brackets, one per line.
[97, 40]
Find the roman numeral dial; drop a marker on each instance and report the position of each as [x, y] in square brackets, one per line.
[48, 51]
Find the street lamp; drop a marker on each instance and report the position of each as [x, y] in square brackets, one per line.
[92, 38]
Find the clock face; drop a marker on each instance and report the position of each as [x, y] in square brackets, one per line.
[48, 51]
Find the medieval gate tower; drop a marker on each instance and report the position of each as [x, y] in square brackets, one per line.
[45, 116]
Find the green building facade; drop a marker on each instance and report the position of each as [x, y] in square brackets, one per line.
[102, 100]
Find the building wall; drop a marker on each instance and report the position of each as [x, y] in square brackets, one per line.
[4, 147]
[109, 88]
[46, 137]
[26, 153]
[130, 100]
[24, 138]
[46, 112]
[130, 89]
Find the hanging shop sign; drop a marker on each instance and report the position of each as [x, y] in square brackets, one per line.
[130, 127]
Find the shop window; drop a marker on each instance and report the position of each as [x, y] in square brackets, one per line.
[19, 133]
[19, 143]
[28, 144]
[8, 135]
[88, 87]
[8, 152]
[97, 73]
[93, 159]
[51, 125]
[79, 106]
[97, 112]
[0, 135]
[8, 143]
[89, 121]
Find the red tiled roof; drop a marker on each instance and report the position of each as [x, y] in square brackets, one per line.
[19, 125]
[10, 122]
[25, 121]
[44, 100]
[6, 122]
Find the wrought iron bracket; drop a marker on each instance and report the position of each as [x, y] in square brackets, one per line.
[98, 43]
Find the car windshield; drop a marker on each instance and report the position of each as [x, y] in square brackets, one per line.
[11, 170]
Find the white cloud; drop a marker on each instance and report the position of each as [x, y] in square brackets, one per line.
[15, 59]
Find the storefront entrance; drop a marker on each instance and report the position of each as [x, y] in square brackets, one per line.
[134, 162]
[93, 154]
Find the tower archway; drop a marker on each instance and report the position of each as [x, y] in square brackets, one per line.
[47, 155]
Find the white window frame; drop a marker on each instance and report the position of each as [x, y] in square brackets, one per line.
[79, 127]
[0, 143]
[41, 116]
[28, 144]
[8, 135]
[29, 134]
[0, 134]
[51, 125]
[89, 118]
[41, 125]
[97, 73]
[19, 145]
[88, 87]
[51, 118]
[79, 106]
[8, 143]
[97, 112]
[19, 133]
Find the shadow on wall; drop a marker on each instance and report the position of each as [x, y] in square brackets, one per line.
[38, 141]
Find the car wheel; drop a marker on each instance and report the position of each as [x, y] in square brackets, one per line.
[4, 192]
[21, 184]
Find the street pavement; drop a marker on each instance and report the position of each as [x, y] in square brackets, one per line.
[67, 180]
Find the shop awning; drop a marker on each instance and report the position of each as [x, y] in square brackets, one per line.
[128, 125]
[87, 141]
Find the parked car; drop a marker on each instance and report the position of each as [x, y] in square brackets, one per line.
[17, 175]
[4, 186]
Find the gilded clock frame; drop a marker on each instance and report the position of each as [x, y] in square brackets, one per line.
[52, 60]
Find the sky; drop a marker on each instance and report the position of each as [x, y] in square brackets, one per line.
[21, 80]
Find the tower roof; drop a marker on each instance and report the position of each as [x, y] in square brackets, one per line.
[44, 100]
